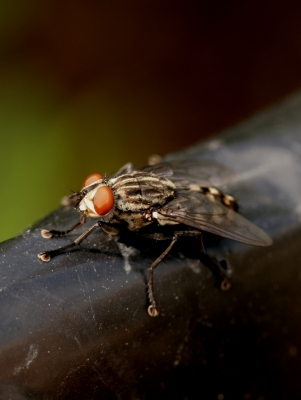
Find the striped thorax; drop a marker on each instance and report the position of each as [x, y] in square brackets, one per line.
[139, 191]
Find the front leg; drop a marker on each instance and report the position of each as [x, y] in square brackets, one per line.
[48, 255]
[53, 233]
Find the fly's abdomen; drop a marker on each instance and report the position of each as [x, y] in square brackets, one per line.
[139, 191]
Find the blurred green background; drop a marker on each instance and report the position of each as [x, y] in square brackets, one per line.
[86, 86]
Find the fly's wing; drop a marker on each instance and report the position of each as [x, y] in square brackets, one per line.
[198, 211]
[186, 172]
[125, 169]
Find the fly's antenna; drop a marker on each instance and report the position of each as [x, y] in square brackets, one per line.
[67, 188]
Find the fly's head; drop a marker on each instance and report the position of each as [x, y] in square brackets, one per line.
[96, 199]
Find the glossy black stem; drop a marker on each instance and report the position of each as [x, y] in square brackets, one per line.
[78, 328]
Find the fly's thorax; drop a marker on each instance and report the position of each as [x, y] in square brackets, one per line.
[139, 191]
[133, 221]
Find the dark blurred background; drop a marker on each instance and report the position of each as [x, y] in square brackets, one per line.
[86, 86]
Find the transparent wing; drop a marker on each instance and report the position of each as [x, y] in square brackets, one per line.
[185, 172]
[125, 169]
[196, 210]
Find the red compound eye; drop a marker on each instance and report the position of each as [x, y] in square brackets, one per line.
[91, 179]
[103, 200]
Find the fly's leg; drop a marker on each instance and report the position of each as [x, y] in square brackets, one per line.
[226, 282]
[53, 233]
[219, 271]
[153, 308]
[48, 255]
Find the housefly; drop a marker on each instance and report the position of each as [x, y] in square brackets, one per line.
[163, 201]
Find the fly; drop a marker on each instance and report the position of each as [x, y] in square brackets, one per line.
[178, 196]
